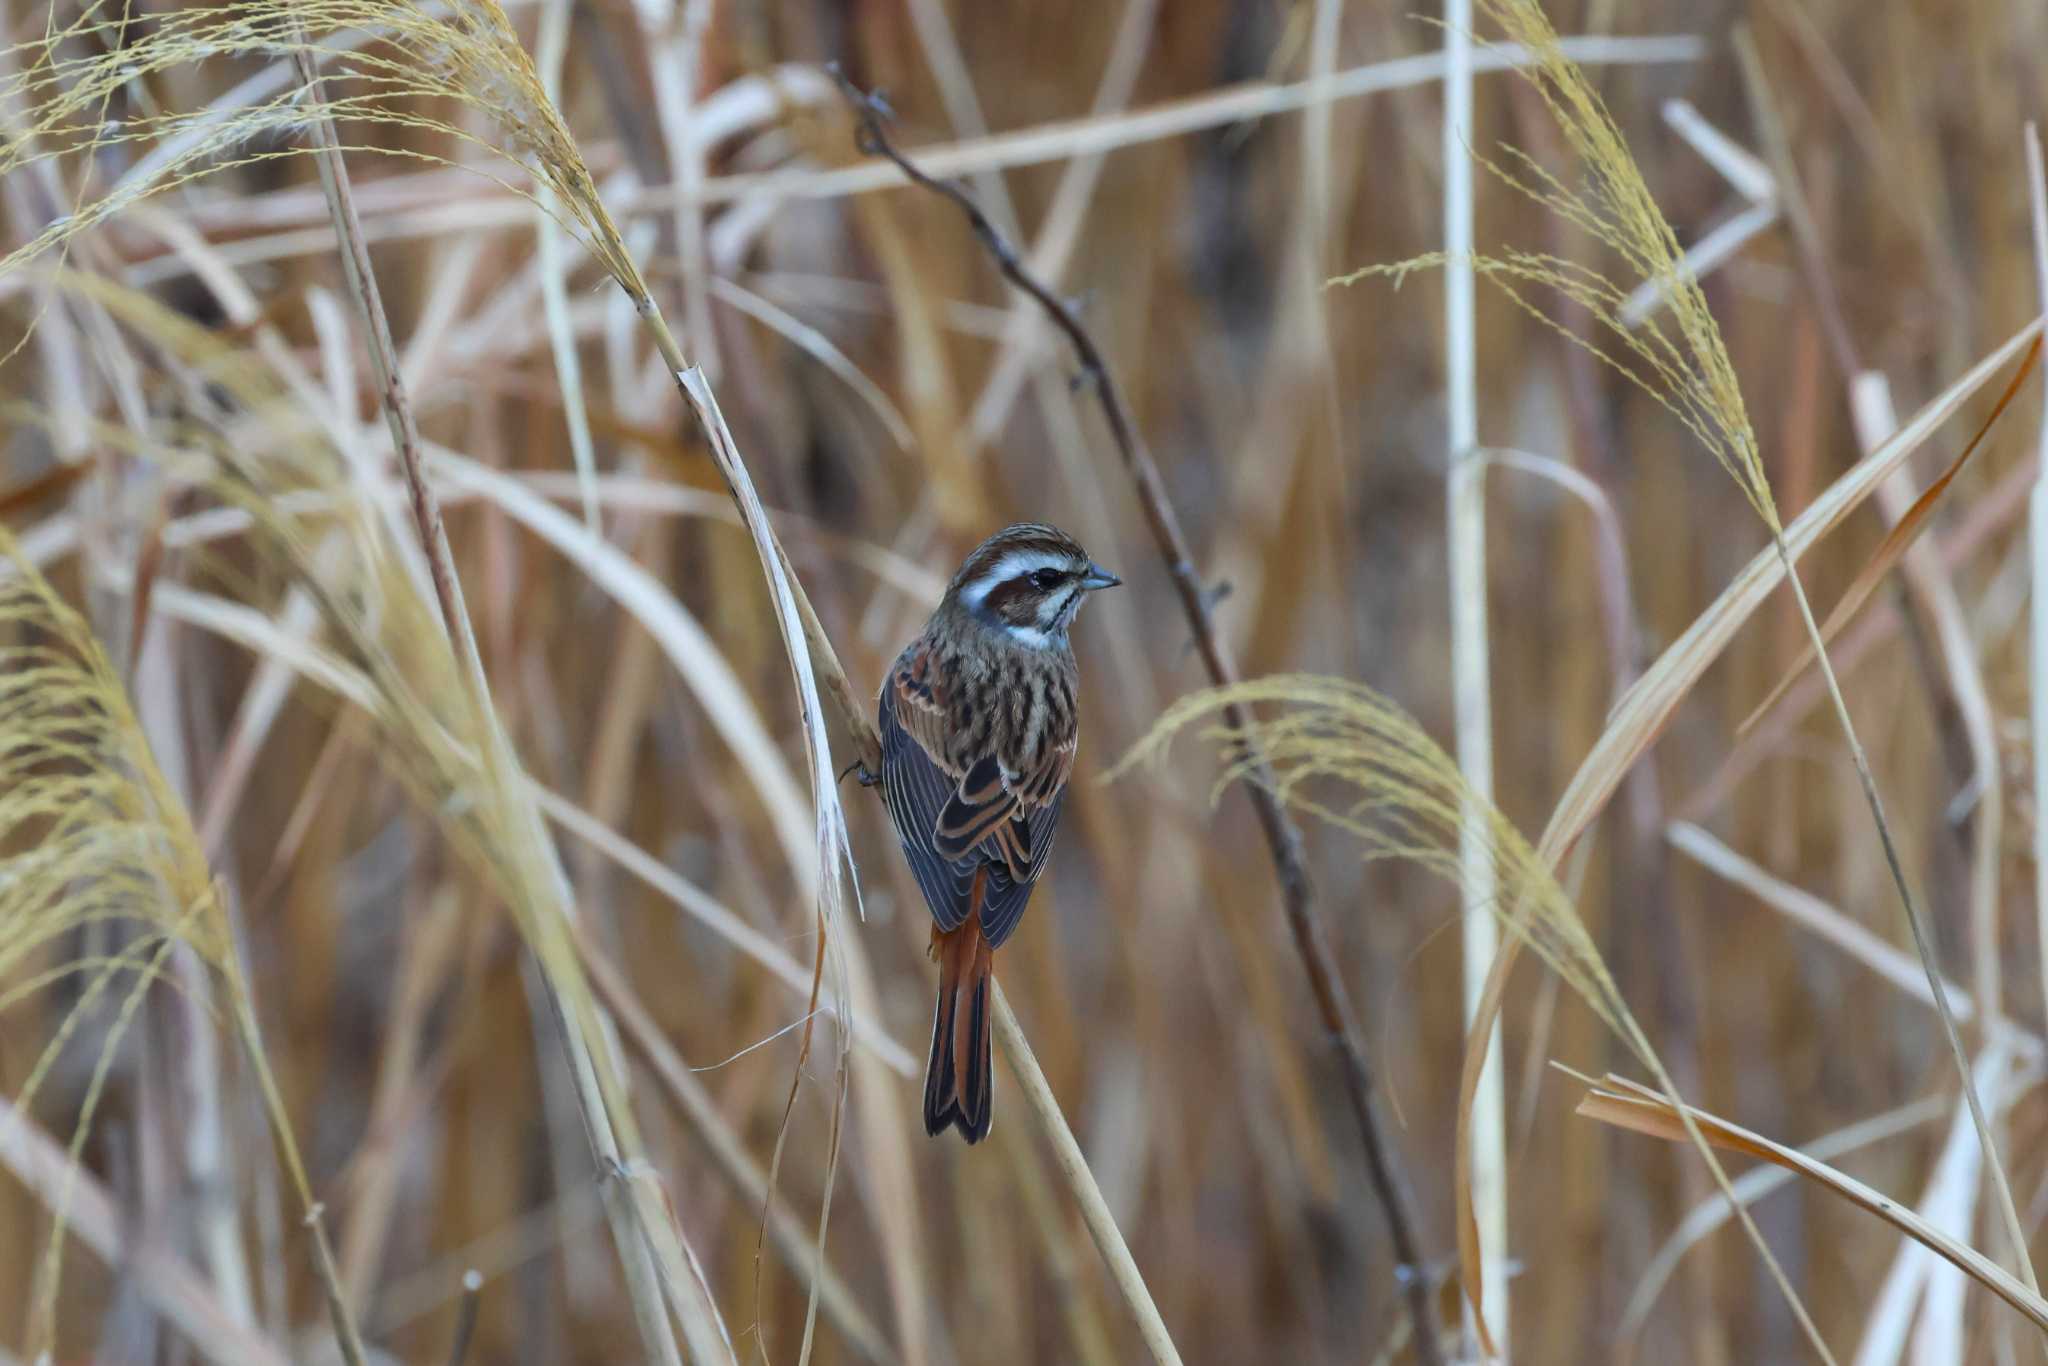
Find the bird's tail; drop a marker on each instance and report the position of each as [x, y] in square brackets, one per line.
[958, 1081]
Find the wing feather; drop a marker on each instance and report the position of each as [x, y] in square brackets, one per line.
[952, 823]
[1004, 899]
[981, 803]
[917, 789]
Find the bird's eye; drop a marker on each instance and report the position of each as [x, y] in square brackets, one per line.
[1046, 578]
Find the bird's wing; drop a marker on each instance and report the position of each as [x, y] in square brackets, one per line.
[950, 822]
[917, 787]
[1006, 819]
[1028, 839]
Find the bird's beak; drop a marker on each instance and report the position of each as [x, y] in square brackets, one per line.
[1098, 577]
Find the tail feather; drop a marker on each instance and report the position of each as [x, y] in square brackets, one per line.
[939, 1073]
[959, 1080]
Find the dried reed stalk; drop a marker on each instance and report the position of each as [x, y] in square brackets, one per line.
[631, 1232]
[1471, 673]
[1326, 984]
[2037, 540]
[1073, 1164]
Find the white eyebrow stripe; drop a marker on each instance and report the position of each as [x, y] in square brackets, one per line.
[1015, 563]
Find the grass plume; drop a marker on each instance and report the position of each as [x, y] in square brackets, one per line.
[1354, 759]
[211, 477]
[1413, 804]
[389, 63]
[103, 841]
[1676, 358]
[381, 647]
[1685, 367]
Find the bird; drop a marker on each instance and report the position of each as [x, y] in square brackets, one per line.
[979, 722]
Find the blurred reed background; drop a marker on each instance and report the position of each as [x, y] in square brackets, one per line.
[196, 458]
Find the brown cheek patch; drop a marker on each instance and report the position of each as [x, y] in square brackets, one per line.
[1012, 601]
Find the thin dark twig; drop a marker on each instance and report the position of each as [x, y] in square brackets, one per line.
[465, 1316]
[1333, 1000]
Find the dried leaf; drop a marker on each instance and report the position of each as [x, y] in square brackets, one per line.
[1630, 1105]
[1894, 546]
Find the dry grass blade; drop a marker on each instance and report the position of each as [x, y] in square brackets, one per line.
[1676, 358]
[388, 693]
[698, 661]
[1647, 708]
[1703, 1219]
[103, 840]
[477, 58]
[1641, 715]
[41, 488]
[1866, 778]
[535, 970]
[1896, 543]
[93, 1215]
[1916, 1287]
[1624, 1104]
[1109, 1240]
[2037, 537]
[1893, 965]
[1406, 800]
[419, 211]
[445, 741]
[791, 1242]
[1687, 369]
[149, 563]
[651, 1254]
[317, 665]
[266, 638]
[722, 922]
[1683, 366]
[1409, 801]
[1067, 139]
[552, 46]
[810, 657]
[820, 348]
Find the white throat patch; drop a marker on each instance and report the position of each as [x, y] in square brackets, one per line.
[1030, 636]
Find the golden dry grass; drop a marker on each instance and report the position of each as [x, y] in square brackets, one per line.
[459, 932]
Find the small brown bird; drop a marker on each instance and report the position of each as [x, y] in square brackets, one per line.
[978, 728]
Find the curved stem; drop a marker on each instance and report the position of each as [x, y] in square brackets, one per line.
[1109, 1239]
[2006, 1208]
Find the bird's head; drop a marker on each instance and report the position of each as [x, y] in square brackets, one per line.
[1028, 581]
